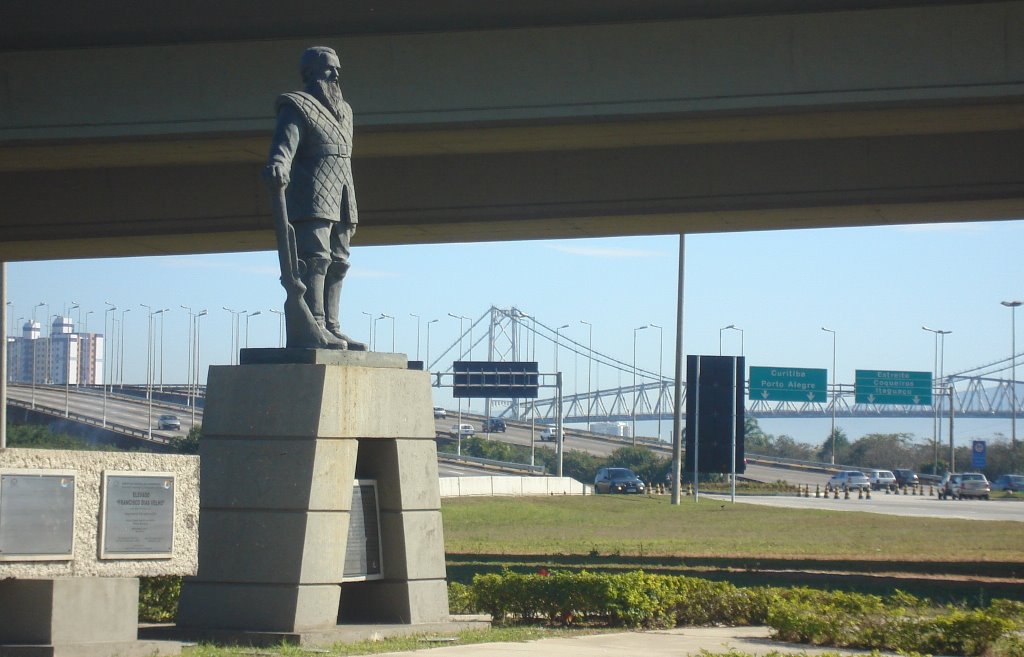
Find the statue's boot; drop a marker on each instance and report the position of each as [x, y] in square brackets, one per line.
[314, 279]
[335, 277]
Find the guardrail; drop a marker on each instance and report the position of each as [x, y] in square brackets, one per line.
[122, 429]
[503, 466]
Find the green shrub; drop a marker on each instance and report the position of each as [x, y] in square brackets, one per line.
[158, 598]
[461, 599]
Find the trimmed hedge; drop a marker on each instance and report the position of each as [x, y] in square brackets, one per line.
[899, 622]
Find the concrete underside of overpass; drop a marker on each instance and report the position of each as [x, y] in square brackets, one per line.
[141, 129]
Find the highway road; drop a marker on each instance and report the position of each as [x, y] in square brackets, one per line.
[897, 505]
[135, 413]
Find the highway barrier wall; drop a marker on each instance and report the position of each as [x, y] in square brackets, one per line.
[499, 486]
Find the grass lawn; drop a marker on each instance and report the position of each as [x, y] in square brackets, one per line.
[636, 525]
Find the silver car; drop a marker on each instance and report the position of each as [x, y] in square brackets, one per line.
[849, 480]
[882, 480]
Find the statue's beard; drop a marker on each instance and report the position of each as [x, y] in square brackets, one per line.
[328, 93]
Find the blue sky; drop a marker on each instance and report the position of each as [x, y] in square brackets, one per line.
[875, 286]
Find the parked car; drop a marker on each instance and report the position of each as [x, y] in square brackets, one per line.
[1009, 482]
[463, 430]
[168, 422]
[849, 480]
[493, 425]
[905, 477]
[618, 480]
[967, 484]
[549, 434]
[882, 480]
[440, 413]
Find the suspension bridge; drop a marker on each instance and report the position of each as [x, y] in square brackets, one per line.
[510, 334]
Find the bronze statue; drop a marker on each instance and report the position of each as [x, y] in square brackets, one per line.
[314, 201]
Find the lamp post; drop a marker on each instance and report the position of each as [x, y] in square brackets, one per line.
[427, 362]
[936, 424]
[190, 368]
[590, 367]
[120, 350]
[106, 374]
[280, 327]
[558, 332]
[369, 317]
[149, 367]
[633, 409]
[162, 312]
[252, 314]
[458, 428]
[417, 334]
[67, 360]
[661, 381]
[34, 340]
[834, 391]
[234, 331]
[387, 316]
[732, 327]
[85, 323]
[1012, 305]
[198, 365]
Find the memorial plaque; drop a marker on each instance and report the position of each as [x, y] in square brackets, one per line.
[137, 519]
[363, 550]
[37, 515]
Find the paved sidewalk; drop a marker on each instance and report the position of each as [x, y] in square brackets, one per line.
[658, 643]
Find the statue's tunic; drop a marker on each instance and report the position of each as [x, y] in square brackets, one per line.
[316, 146]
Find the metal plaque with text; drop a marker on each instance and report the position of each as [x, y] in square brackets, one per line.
[137, 515]
[37, 515]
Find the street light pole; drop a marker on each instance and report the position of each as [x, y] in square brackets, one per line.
[198, 365]
[369, 316]
[661, 380]
[106, 363]
[458, 429]
[234, 331]
[162, 313]
[590, 367]
[417, 334]
[633, 409]
[732, 327]
[558, 332]
[1012, 305]
[387, 316]
[252, 314]
[280, 327]
[937, 399]
[427, 362]
[120, 350]
[834, 391]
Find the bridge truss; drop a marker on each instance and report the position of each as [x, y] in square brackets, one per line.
[509, 334]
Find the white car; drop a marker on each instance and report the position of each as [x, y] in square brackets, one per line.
[549, 434]
[168, 422]
[440, 413]
[463, 430]
[882, 480]
[849, 480]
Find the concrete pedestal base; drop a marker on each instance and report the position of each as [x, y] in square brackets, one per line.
[79, 616]
[282, 445]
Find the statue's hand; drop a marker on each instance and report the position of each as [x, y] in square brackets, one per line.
[276, 174]
[351, 231]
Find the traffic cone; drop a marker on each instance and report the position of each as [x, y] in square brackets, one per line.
[817, 491]
[931, 491]
[914, 490]
[887, 490]
[905, 491]
[860, 493]
[867, 493]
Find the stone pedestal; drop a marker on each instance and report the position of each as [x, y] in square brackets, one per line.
[80, 616]
[282, 445]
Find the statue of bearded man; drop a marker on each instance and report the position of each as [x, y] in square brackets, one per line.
[310, 159]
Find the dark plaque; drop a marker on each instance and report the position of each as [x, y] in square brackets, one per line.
[37, 515]
[138, 515]
[363, 551]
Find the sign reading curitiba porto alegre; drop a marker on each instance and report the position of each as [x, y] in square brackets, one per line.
[796, 384]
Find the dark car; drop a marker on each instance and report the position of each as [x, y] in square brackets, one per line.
[1009, 482]
[493, 425]
[905, 477]
[618, 480]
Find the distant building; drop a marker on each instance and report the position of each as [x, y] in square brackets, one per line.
[63, 357]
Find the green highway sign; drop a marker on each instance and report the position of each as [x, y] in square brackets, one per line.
[788, 384]
[893, 387]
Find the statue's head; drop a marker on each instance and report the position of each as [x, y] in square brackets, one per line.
[319, 63]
